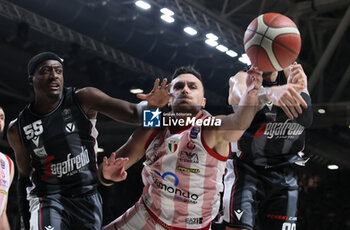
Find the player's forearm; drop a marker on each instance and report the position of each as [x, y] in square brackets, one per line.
[236, 93]
[23, 204]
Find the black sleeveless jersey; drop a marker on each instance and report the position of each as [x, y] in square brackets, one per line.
[62, 147]
[272, 138]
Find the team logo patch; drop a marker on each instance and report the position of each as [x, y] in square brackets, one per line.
[66, 114]
[194, 132]
[2, 162]
[49, 227]
[40, 152]
[172, 146]
[239, 213]
[70, 127]
[151, 118]
[36, 140]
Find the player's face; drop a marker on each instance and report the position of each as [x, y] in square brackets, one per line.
[188, 93]
[2, 121]
[48, 79]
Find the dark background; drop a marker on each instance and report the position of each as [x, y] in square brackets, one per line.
[115, 46]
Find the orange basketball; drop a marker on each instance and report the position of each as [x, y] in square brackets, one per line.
[272, 42]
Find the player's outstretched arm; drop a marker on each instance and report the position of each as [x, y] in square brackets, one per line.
[23, 165]
[94, 100]
[233, 125]
[113, 168]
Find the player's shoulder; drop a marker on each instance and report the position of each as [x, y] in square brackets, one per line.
[13, 127]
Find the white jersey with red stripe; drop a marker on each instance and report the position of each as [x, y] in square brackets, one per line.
[5, 179]
[182, 178]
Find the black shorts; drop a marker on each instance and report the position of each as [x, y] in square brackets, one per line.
[58, 212]
[258, 198]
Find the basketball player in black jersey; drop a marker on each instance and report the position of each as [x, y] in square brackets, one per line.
[54, 139]
[261, 188]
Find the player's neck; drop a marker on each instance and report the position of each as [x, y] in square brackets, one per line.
[45, 105]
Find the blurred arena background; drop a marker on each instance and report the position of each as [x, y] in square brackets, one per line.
[121, 46]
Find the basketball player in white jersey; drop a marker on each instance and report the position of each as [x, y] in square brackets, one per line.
[184, 164]
[6, 176]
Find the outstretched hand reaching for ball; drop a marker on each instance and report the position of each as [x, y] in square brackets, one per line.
[159, 96]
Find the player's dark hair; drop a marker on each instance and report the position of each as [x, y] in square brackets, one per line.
[184, 70]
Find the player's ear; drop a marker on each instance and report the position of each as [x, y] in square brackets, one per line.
[30, 79]
[204, 101]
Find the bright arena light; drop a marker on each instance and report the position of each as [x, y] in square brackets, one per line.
[100, 150]
[222, 48]
[191, 31]
[167, 18]
[166, 11]
[212, 36]
[321, 111]
[231, 53]
[333, 167]
[211, 42]
[245, 59]
[136, 91]
[142, 4]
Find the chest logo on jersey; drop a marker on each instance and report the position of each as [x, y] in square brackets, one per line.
[168, 182]
[189, 157]
[66, 114]
[172, 146]
[70, 127]
[285, 129]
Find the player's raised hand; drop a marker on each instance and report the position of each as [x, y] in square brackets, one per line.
[114, 168]
[288, 99]
[254, 78]
[159, 96]
[297, 77]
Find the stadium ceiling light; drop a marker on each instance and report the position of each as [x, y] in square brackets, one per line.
[245, 59]
[191, 31]
[167, 18]
[100, 150]
[231, 53]
[166, 11]
[142, 4]
[136, 91]
[211, 43]
[333, 167]
[212, 36]
[222, 48]
[321, 111]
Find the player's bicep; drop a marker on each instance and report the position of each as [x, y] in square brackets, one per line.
[94, 100]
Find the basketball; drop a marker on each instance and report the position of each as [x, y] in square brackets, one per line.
[272, 42]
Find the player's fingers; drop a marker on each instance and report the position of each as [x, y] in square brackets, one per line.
[168, 87]
[105, 161]
[141, 96]
[290, 103]
[156, 84]
[163, 83]
[298, 98]
[286, 110]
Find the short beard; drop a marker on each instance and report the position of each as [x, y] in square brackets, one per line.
[55, 96]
